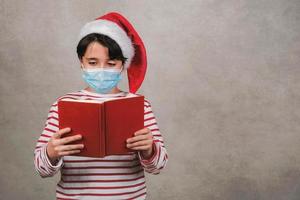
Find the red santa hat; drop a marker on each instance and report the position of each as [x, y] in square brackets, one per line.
[118, 28]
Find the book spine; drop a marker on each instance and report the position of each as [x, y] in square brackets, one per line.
[103, 130]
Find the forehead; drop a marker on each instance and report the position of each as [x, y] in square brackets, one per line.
[96, 50]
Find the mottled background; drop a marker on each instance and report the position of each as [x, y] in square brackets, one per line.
[223, 80]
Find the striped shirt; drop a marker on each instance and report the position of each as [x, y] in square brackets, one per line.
[111, 177]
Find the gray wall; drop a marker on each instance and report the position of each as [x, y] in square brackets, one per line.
[223, 80]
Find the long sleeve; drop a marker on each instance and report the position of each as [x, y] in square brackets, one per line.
[41, 160]
[159, 159]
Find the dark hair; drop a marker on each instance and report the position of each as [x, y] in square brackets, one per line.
[114, 50]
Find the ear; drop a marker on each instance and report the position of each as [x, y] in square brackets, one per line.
[123, 68]
[81, 63]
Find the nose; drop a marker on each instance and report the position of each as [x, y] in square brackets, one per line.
[101, 65]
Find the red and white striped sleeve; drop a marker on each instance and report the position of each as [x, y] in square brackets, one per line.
[159, 159]
[41, 160]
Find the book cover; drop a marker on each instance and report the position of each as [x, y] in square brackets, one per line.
[104, 125]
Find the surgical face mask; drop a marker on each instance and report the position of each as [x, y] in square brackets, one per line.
[102, 80]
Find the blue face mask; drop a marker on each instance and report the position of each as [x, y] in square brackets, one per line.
[102, 80]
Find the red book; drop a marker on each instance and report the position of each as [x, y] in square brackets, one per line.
[105, 126]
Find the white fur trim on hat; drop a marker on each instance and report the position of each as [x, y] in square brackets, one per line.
[112, 30]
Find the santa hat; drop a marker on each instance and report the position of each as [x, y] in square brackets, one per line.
[118, 28]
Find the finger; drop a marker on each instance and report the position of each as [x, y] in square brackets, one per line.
[142, 131]
[69, 139]
[66, 153]
[61, 132]
[140, 143]
[141, 148]
[56, 135]
[137, 138]
[69, 147]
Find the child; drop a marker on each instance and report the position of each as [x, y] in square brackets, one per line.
[107, 46]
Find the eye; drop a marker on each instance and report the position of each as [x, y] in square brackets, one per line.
[92, 63]
[112, 64]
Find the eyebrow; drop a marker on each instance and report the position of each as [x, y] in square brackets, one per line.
[93, 58]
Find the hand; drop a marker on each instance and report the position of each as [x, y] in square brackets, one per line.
[57, 147]
[142, 141]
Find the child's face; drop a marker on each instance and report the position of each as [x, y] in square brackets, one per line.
[96, 56]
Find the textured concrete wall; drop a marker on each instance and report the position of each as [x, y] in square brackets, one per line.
[223, 79]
